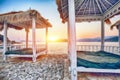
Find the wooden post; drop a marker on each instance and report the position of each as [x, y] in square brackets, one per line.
[102, 35]
[69, 55]
[119, 36]
[27, 31]
[5, 40]
[46, 40]
[34, 38]
[72, 39]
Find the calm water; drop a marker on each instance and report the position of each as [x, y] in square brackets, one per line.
[61, 47]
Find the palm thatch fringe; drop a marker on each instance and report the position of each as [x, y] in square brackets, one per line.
[20, 20]
[115, 25]
[107, 21]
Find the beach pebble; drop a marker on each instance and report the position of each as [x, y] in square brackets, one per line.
[47, 68]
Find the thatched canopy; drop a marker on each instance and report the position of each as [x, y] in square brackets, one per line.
[90, 10]
[116, 24]
[23, 19]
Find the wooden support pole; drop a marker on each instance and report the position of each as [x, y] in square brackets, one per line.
[34, 38]
[27, 32]
[69, 55]
[102, 35]
[119, 36]
[46, 40]
[5, 40]
[72, 39]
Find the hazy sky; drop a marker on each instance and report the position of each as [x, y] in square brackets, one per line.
[48, 9]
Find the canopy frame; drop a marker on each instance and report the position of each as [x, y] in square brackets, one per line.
[36, 18]
[72, 11]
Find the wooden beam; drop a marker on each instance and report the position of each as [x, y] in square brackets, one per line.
[69, 55]
[103, 4]
[108, 2]
[99, 6]
[90, 6]
[46, 40]
[5, 40]
[94, 6]
[119, 37]
[88, 18]
[86, 6]
[112, 11]
[82, 69]
[102, 35]
[27, 36]
[34, 38]
[19, 55]
[78, 3]
[72, 39]
[82, 2]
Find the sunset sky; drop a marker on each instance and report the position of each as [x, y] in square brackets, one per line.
[48, 9]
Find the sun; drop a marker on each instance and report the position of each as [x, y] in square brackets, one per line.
[52, 39]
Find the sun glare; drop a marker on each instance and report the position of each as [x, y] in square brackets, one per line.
[52, 38]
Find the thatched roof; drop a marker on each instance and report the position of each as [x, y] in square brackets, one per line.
[116, 24]
[58, 2]
[88, 10]
[23, 19]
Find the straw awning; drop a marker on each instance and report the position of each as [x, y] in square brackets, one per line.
[23, 19]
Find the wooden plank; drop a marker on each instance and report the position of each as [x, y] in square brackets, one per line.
[82, 69]
[17, 55]
[40, 53]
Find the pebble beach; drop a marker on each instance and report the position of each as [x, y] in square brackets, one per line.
[47, 67]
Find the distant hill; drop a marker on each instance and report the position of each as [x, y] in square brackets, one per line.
[89, 40]
[98, 39]
[112, 39]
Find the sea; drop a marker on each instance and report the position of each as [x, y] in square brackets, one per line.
[62, 47]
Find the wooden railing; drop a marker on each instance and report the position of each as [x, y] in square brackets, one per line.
[16, 47]
[111, 49]
[21, 46]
